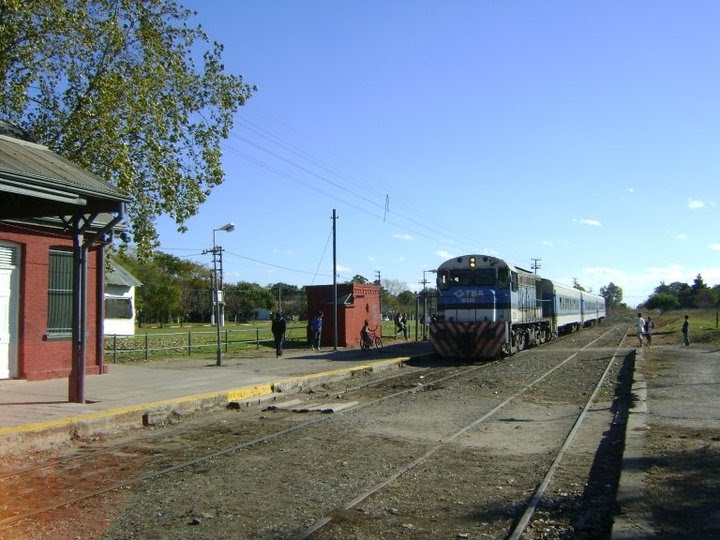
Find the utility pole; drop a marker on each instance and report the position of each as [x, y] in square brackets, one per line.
[217, 287]
[335, 298]
[535, 264]
[424, 314]
[379, 282]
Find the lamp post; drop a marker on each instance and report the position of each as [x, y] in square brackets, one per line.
[217, 287]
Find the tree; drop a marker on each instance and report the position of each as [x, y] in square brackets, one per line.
[698, 284]
[674, 288]
[158, 299]
[406, 301]
[662, 301]
[114, 87]
[685, 296]
[292, 298]
[394, 286]
[705, 298]
[613, 295]
[172, 287]
[242, 298]
[716, 290]
[357, 278]
[702, 296]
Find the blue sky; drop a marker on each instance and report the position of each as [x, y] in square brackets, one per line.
[585, 134]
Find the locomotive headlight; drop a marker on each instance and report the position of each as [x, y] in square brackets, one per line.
[472, 262]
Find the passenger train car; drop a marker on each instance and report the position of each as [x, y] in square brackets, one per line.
[487, 308]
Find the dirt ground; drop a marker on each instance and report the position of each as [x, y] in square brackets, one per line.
[681, 444]
[471, 488]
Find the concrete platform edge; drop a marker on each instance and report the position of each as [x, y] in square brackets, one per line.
[630, 525]
[39, 435]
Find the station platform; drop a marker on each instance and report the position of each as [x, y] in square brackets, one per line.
[670, 480]
[672, 438]
[37, 414]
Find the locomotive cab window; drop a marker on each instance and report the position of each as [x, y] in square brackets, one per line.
[503, 277]
[484, 276]
[443, 279]
[467, 278]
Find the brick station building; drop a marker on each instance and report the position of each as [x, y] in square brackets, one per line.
[55, 219]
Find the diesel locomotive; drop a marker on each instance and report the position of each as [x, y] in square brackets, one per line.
[487, 308]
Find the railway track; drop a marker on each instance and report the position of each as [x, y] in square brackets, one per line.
[121, 459]
[525, 520]
[272, 447]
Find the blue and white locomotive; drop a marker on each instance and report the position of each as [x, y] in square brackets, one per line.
[487, 308]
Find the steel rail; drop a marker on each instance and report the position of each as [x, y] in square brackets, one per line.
[443, 443]
[226, 450]
[57, 462]
[540, 491]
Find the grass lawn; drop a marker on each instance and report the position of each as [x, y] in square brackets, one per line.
[703, 326]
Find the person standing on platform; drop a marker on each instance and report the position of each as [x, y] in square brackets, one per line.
[279, 326]
[316, 330]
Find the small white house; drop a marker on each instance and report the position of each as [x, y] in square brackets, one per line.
[120, 301]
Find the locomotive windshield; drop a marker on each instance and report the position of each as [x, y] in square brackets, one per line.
[487, 277]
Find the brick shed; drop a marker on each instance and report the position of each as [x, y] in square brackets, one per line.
[356, 302]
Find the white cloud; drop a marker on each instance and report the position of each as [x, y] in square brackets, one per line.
[403, 236]
[444, 254]
[715, 246]
[593, 222]
[548, 243]
[694, 203]
[631, 190]
[681, 236]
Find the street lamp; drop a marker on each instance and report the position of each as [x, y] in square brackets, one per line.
[217, 287]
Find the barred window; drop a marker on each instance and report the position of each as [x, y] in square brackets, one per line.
[60, 294]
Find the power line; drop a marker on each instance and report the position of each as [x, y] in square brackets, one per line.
[421, 220]
[273, 265]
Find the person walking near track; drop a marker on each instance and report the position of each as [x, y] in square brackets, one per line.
[640, 328]
[398, 324]
[685, 331]
[649, 327]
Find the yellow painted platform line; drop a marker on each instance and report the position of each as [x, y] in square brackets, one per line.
[231, 395]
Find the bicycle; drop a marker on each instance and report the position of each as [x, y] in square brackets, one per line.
[373, 341]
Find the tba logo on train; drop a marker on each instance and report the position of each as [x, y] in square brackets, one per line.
[487, 308]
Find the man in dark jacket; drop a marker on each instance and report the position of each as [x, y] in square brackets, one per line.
[279, 326]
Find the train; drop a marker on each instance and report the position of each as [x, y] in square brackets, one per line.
[487, 309]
